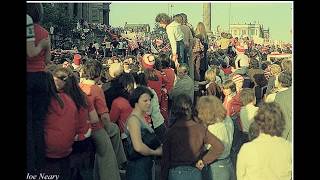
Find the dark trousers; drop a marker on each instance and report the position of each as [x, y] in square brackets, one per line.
[140, 169]
[57, 166]
[37, 107]
[180, 52]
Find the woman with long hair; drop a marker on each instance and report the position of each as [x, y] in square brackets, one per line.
[199, 50]
[214, 116]
[183, 148]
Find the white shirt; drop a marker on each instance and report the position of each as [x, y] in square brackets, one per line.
[247, 114]
[175, 34]
[244, 60]
[156, 116]
[265, 158]
[224, 132]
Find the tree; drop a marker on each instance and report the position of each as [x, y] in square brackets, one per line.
[56, 15]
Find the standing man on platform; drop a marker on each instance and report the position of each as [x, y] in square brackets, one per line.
[175, 36]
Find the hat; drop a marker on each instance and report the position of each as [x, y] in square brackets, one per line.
[237, 78]
[76, 59]
[115, 69]
[148, 61]
[240, 49]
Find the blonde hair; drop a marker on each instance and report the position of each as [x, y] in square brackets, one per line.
[201, 30]
[275, 70]
[210, 110]
[210, 75]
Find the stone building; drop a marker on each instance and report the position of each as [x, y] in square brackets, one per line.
[251, 30]
[91, 12]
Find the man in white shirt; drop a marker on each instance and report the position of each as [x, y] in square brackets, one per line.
[175, 36]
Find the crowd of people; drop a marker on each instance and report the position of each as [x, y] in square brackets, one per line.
[193, 109]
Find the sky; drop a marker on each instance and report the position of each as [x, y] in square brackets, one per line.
[278, 17]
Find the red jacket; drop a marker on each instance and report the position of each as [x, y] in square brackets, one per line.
[157, 85]
[61, 126]
[169, 73]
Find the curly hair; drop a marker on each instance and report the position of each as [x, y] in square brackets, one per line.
[163, 18]
[275, 69]
[210, 110]
[285, 79]
[270, 119]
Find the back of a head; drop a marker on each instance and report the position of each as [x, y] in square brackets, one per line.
[183, 69]
[184, 18]
[247, 96]
[91, 69]
[285, 78]
[270, 119]
[210, 110]
[126, 80]
[182, 108]
[178, 18]
[163, 18]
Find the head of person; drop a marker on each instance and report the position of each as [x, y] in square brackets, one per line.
[210, 75]
[286, 65]
[229, 87]
[140, 79]
[275, 69]
[53, 91]
[200, 29]
[91, 70]
[115, 70]
[163, 19]
[270, 119]
[140, 99]
[284, 80]
[184, 18]
[247, 96]
[178, 18]
[165, 60]
[210, 110]
[182, 108]
[35, 11]
[127, 83]
[66, 82]
[183, 70]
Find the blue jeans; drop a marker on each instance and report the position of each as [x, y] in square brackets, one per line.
[220, 170]
[140, 169]
[180, 52]
[184, 173]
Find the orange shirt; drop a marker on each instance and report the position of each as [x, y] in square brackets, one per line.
[95, 95]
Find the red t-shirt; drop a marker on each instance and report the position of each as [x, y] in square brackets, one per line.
[169, 73]
[120, 111]
[83, 121]
[60, 127]
[37, 63]
[96, 97]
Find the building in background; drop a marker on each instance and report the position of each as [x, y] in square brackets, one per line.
[251, 30]
[91, 12]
